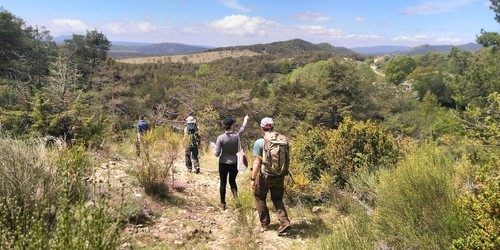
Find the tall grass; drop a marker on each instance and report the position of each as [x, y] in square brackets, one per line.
[43, 203]
[246, 217]
[160, 147]
[417, 203]
[351, 232]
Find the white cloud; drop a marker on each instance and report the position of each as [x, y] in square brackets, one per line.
[436, 6]
[449, 40]
[243, 25]
[318, 30]
[410, 38]
[235, 5]
[64, 26]
[359, 19]
[126, 27]
[310, 17]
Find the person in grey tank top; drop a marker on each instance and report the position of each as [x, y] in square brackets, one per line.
[226, 148]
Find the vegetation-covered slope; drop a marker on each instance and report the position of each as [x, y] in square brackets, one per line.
[406, 161]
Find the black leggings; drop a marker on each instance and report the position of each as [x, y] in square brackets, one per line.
[224, 170]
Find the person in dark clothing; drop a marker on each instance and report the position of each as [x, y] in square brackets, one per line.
[141, 128]
[193, 145]
[226, 147]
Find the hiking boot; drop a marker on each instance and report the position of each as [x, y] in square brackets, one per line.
[283, 229]
[222, 206]
[197, 170]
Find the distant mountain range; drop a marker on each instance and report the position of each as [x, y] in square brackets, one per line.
[121, 49]
[419, 50]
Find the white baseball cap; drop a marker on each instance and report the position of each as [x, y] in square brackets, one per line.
[266, 122]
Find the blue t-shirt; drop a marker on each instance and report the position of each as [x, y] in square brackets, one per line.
[258, 148]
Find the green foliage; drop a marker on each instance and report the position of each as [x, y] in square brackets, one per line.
[429, 80]
[318, 92]
[159, 148]
[359, 146]
[209, 123]
[351, 233]
[329, 158]
[309, 152]
[484, 123]
[478, 80]
[422, 120]
[399, 68]
[482, 207]
[417, 203]
[43, 202]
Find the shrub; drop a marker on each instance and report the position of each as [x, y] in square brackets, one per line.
[417, 203]
[331, 158]
[482, 207]
[159, 148]
[42, 199]
[359, 146]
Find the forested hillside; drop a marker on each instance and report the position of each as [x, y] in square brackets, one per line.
[405, 161]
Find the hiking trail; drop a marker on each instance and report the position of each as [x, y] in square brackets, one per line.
[190, 217]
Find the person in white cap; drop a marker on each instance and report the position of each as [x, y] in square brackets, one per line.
[262, 183]
[191, 152]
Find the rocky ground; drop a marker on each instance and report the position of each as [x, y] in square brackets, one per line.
[189, 217]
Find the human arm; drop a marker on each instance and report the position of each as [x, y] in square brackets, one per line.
[258, 148]
[244, 125]
[218, 147]
[255, 171]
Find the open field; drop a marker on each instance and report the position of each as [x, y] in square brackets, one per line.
[202, 57]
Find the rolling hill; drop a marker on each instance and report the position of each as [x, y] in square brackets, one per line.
[419, 50]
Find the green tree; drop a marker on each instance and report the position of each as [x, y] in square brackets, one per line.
[479, 79]
[429, 80]
[399, 68]
[317, 93]
[491, 39]
[98, 46]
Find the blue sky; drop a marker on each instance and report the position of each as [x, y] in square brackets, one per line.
[354, 23]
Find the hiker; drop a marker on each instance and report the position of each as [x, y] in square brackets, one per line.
[264, 180]
[194, 143]
[142, 127]
[226, 147]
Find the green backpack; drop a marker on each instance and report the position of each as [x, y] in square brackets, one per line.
[276, 155]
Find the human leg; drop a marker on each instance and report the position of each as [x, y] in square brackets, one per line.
[260, 194]
[233, 172]
[223, 172]
[196, 162]
[187, 157]
[277, 190]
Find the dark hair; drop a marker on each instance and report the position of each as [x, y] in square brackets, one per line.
[228, 122]
[267, 129]
[141, 117]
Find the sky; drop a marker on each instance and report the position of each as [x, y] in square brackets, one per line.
[220, 23]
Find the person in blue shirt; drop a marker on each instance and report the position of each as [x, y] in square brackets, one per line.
[262, 185]
[142, 128]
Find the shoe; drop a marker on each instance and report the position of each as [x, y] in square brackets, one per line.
[190, 170]
[222, 206]
[197, 170]
[283, 229]
[264, 228]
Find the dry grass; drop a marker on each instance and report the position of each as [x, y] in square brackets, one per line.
[202, 57]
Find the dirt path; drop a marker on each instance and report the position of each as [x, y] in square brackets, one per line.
[190, 218]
